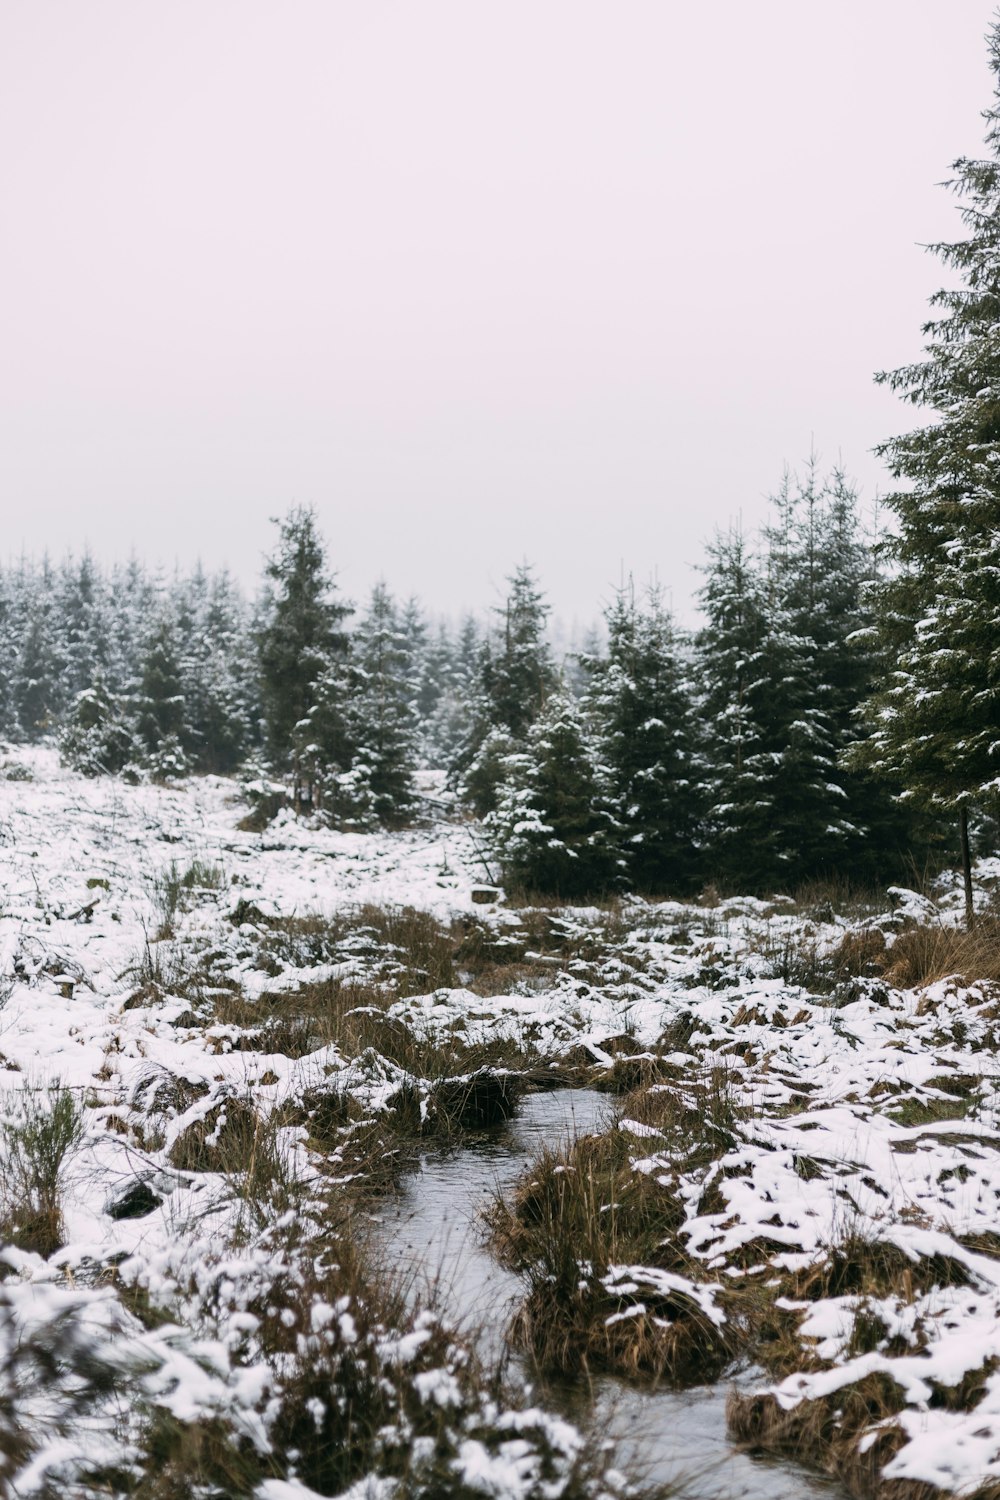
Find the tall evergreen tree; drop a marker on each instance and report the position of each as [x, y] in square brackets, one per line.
[161, 716]
[518, 674]
[515, 676]
[453, 668]
[9, 638]
[37, 686]
[218, 673]
[553, 826]
[302, 631]
[640, 698]
[83, 626]
[382, 717]
[776, 806]
[935, 722]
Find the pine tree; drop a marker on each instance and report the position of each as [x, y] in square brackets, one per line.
[935, 721]
[553, 828]
[161, 719]
[9, 642]
[453, 667]
[97, 738]
[301, 633]
[785, 664]
[739, 809]
[132, 603]
[518, 673]
[83, 622]
[38, 668]
[324, 750]
[769, 741]
[217, 670]
[515, 676]
[382, 721]
[641, 701]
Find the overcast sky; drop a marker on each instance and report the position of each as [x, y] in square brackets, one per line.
[479, 279]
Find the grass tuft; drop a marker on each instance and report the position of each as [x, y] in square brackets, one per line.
[41, 1129]
[583, 1210]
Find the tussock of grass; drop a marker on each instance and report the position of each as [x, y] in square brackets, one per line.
[354, 1017]
[918, 956]
[874, 1268]
[41, 1129]
[584, 1209]
[767, 1306]
[833, 1435]
[924, 954]
[396, 945]
[175, 890]
[221, 1139]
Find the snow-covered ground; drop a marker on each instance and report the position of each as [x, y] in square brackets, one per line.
[865, 1116]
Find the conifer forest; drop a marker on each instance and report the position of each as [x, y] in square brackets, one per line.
[651, 759]
[461, 1058]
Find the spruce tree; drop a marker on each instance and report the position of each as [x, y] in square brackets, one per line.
[217, 671]
[935, 720]
[301, 633]
[439, 700]
[381, 718]
[83, 621]
[9, 635]
[37, 685]
[515, 676]
[518, 673]
[739, 808]
[553, 827]
[324, 750]
[785, 662]
[640, 699]
[97, 738]
[161, 718]
[768, 741]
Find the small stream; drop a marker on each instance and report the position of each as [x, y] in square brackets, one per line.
[661, 1437]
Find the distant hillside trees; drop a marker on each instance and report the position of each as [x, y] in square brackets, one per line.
[657, 760]
[154, 658]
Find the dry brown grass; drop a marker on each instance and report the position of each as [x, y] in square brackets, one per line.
[917, 956]
[354, 1017]
[849, 1435]
[41, 1130]
[584, 1208]
[925, 954]
[827, 1435]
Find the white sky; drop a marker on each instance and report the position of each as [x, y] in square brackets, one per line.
[553, 279]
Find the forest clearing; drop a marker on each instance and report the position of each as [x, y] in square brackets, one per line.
[225, 1051]
[462, 1041]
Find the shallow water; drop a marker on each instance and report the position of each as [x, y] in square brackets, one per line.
[434, 1240]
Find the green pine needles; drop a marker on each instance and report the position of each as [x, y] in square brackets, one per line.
[934, 720]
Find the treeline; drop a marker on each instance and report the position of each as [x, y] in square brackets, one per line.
[133, 672]
[658, 761]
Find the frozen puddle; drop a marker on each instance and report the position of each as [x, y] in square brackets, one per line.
[433, 1240]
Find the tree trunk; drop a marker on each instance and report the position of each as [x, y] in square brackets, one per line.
[963, 833]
